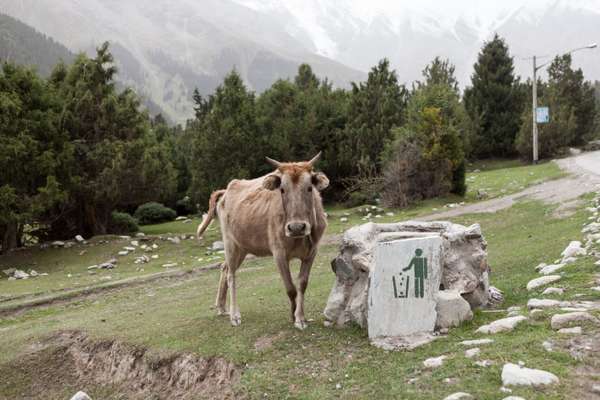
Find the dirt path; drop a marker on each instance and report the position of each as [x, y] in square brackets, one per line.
[584, 178]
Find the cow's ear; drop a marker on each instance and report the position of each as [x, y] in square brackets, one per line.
[320, 181]
[271, 182]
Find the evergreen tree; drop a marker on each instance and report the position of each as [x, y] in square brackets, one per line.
[493, 101]
[226, 144]
[376, 106]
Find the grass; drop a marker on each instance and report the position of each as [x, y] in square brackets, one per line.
[176, 315]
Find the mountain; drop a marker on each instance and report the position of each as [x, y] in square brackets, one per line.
[165, 49]
[411, 33]
[21, 44]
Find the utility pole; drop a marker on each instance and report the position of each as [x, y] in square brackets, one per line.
[534, 129]
[534, 108]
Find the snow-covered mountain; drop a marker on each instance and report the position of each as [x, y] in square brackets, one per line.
[165, 48]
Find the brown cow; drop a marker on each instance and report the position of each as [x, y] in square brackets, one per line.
[279, 214]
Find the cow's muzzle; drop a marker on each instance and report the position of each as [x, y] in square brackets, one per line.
[297, 229]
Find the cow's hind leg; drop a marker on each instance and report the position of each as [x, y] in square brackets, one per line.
[233, 258]
[222, 291]
[305, 266]
[284, 270]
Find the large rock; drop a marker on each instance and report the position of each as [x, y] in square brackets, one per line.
[81, 396]
[464, 265]
[513, 374]
[451, 309]
[574, 249]
[542, 281]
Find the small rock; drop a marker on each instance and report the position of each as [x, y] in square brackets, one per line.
[472, 352]
[540, 266]
[79, 239]
[174, 240]
[459, 396]
[451, 308]
[536, 313]
[505, 390]
[550, 269]
[543, 303]
[553, 290]
[574, 249]
[187, 221]
[389, 214]
[129, 248]
[169, 265]
[434, 362]
[501, 325]
[217, 245]
[484, 363]
[515, 375]
[135, 243]
[563, 320]
[81, 396]
[181, 218]
[343, 219]
[9, 272]
[123, 253]
[596, 389]
[58, 243]
[513, 398]
[569, 260]
[154, 256]
[544, 280]
[576, 330]
[33, 273]
[154, 246]
[476, 342]
[140, 234]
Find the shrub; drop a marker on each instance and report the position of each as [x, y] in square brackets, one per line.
[152, 213]
[122, 223]
[184, 206]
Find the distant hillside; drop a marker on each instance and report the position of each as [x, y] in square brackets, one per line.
[21, 44]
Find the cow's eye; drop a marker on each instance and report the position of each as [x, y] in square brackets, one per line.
[282, 191]
[310, 188]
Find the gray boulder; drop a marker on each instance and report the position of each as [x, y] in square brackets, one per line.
[451, 309]
[465, 268]
[81, 396]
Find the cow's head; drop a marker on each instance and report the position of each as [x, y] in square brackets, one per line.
[297, 183]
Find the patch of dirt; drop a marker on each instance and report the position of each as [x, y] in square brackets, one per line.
[566, 209]
[265, 342]
[72, 359]
[585, 348]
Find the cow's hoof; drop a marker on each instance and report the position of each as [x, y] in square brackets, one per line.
[301, 325]
[236, 320]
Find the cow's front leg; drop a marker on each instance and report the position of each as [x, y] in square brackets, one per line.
[233, 259]
[283, 265]
[305, 266]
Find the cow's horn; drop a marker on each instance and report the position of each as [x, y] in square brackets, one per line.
[315, 159]
[274, 163]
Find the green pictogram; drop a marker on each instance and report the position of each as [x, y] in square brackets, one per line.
[419, 264]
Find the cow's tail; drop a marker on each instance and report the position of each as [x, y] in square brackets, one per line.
[210, 215]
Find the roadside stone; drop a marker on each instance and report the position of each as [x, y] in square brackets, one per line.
[18, 274]
[476, 342]
[544, 303]
[501, 325]
[187, 221]
[154, 256]
[451, 309]
[217, 245]
[129, 248]
[563, 320]
[553, 290]
[174, 240]
[513, 398]
[536, 313]
[169, 265]
[181, 218]
[154, 246]
[544, 280]
[58, 243]
[140, 234]
[343, 219]
[79, 239]
[135, 243]
[474, 352]
[123, 253]
[434, 362]
[549, 269]
[569, 260]
[515, 375]
[459, 396]
[596, 288]
[33, 273]
[540, 266]
[81, 396]
[576, 330]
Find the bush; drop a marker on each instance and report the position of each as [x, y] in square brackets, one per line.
[184, 206]
[153, 213]
[122, 223]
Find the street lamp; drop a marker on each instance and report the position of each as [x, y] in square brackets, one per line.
[534, 96]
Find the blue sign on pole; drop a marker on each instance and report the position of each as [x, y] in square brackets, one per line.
[542, 115]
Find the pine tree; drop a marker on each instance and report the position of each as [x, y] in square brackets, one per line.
[493, 101]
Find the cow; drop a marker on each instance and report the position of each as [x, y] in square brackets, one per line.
[279, 214]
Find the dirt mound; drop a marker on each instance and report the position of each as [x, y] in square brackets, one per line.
[132, 372]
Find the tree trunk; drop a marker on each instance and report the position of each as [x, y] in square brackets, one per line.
[10, 239]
